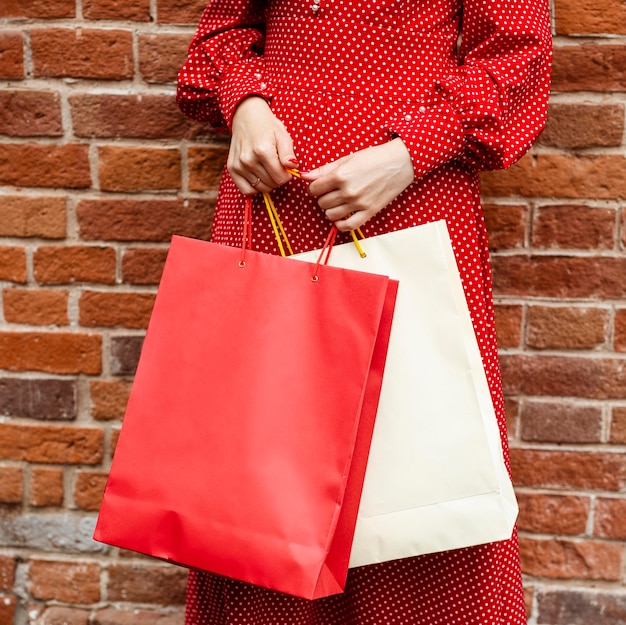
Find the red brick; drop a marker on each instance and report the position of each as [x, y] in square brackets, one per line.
[13, 264]
[35, 307]
[561, 176]
[603, 16]
[51, 444]
[109, 399]
[82, 53]
[567, 559]
[11, 485]
[128, 310]
[609, 519]
[206, 164]
[8, 603]
[30, 113]
[74, 263]
[543, 513]
[11, 54]
[574, 126]
[564, 327]
[161, 56]
[143, 265]
[42, 217]
[573, 226]
[33, 165]
[134, 10]
[579, 606]
[58, 615]
[137, 169]
[161, 585]
[143, 220]
[81, 581]
[38, 8]
[8, 565]
[561, 376]
[568, 469]
[115, 435]
[509, 325]
[182, 12]
[88, 490]
[618, 426]
[125, 351]
[594, 277]
[142, 116]
[506, 225]
[551, 422]
[589, 67]
[45, 399]
[116, 616]
[620, 330]
[46, 487]
[511, 408]
[60, 352]
[529, 594]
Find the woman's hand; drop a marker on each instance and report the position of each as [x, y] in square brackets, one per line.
[260, 149]
[354, 188]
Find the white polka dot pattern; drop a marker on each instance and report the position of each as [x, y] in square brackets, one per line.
[343, 77]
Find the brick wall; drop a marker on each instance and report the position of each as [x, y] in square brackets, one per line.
[98, 170]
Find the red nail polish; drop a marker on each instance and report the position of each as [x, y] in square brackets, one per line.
[293, 160]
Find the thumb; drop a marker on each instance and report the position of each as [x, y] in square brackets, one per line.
[320, 172]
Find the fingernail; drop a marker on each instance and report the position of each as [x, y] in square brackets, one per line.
[293, 160]
[305, 171]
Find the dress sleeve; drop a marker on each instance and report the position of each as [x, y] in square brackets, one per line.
[225, 62]
[494, 106]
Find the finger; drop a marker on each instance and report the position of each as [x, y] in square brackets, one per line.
[286, 155]
[352, 222]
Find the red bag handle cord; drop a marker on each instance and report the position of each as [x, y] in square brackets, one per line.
[246, 239]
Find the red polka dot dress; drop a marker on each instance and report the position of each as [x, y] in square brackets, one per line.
[465, 85]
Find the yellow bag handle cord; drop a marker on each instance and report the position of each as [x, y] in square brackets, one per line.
[281, 235]
[277, 225]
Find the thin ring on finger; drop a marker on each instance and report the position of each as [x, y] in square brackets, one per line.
[256, 182]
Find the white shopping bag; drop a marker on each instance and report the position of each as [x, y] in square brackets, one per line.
[436, 478]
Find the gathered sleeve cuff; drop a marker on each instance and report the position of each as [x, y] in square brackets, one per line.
[224, 63]
[490, 110]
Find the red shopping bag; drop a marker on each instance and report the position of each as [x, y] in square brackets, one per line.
[244, 444]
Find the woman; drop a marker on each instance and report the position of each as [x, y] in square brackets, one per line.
[389, 108]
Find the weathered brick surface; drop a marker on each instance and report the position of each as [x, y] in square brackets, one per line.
[39, 216]
[38, 398]
[139, 169]
[161, 56]
[82, 53]
[50, 444]
[33, 165]
[81, 581]
[38, 8]
[11, 54]
[35, 307]
[147, 584]
[30, 114]
[46, 487]
[11, 485]
[569, 559]
[577, 606]
[553, 514]
[67, 264]
[99, 169]
[53, 352]
[135, 10]
[549, 422]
